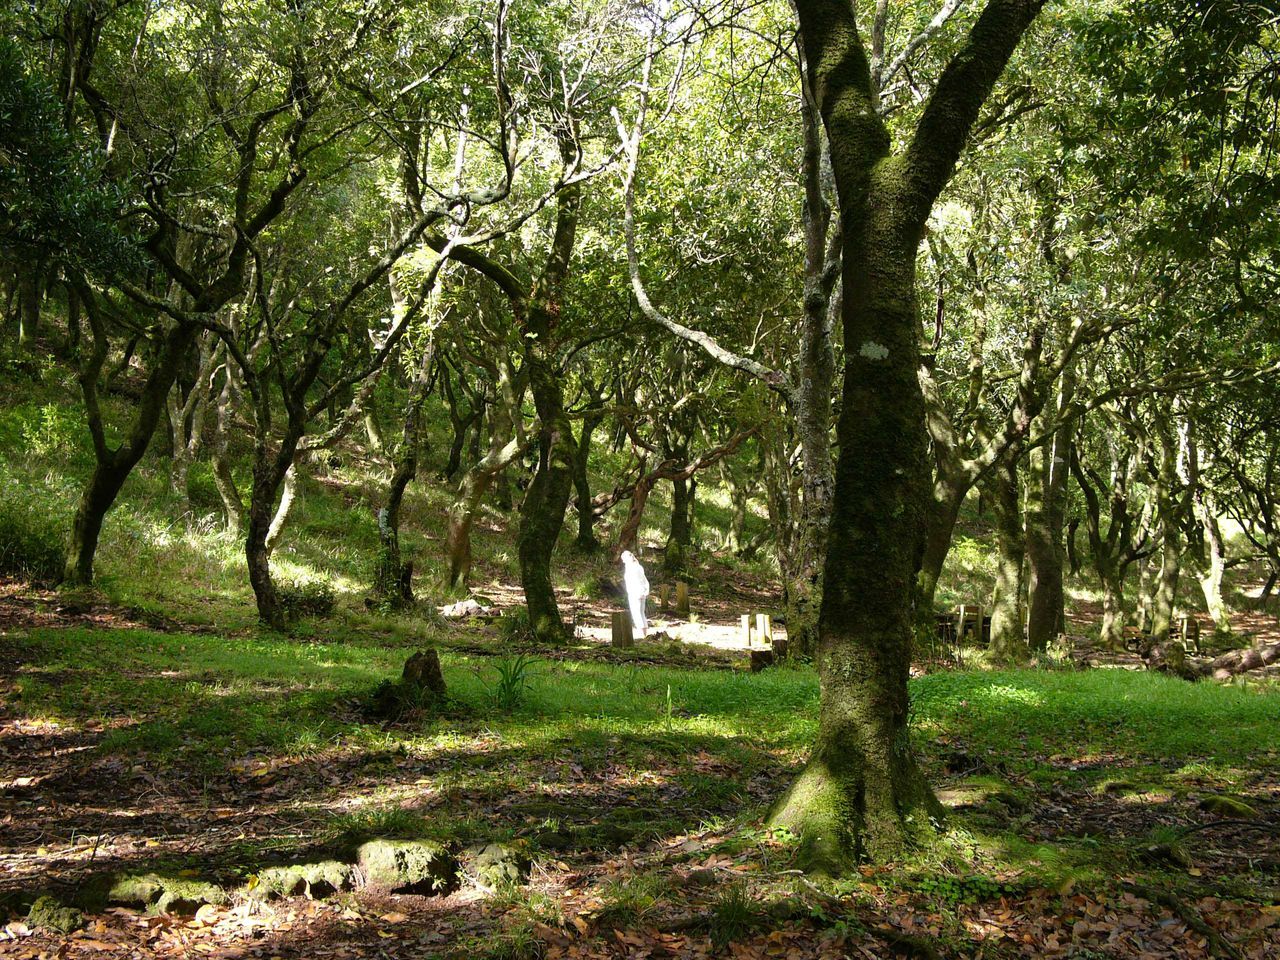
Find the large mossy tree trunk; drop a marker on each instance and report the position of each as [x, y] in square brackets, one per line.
[815, 386]
[547, 499]
[1111, 630]
[862, 791]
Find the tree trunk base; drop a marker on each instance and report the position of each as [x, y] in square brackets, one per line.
[840, 822]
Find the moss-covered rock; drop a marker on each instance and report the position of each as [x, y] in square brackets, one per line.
[134, 891]
[1225, 806]
[316, 880]
[494, 865]
[49, 914]
[408, 866]
[153, 893]
[185, 897]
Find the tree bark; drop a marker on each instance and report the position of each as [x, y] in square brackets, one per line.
[1111, 631]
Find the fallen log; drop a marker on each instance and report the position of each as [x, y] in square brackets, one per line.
[1240, 661]
[1171, 658]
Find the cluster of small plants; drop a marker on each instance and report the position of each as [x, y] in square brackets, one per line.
[510, 687]
[734, 915]
[971, 888]
[310, 598]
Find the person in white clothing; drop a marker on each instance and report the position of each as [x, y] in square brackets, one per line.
[637, 587]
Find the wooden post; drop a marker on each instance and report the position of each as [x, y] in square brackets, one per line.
[682, 599]
[622, 629]
[764, 627]
[968, 614]
[746, 629]
[664, 595]
[1189, 634]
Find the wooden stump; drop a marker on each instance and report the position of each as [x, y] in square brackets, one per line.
[422, 670]
[761, 659]
[664, 596]
[621, 626]
[682, 599]
[746, 629]
[420, 688]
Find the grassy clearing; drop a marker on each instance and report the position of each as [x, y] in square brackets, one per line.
[1129, 716]
[649, 734]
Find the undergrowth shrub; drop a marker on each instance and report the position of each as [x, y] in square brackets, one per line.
[30, 546]
[55, 428]
[311, 598]
[514, 626]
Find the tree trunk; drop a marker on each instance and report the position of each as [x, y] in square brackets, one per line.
[30, 295]
[475, 483]
[289, 497]
[1008, 642]
[629, 531]
[265, 521]
[1046, 551]
[861, 791]
[1165, 593]
[547, 499]
[113, 467]
[270, 611]
[99, 494]
[392, 581]
[679, 536]
[1111, 634]
[1213, 566]
[944, 511]
[815, 387]
[586, 540]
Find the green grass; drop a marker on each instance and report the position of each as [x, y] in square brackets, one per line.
[1142, 717]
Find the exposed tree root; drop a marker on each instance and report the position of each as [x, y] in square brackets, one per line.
[1219, 946]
